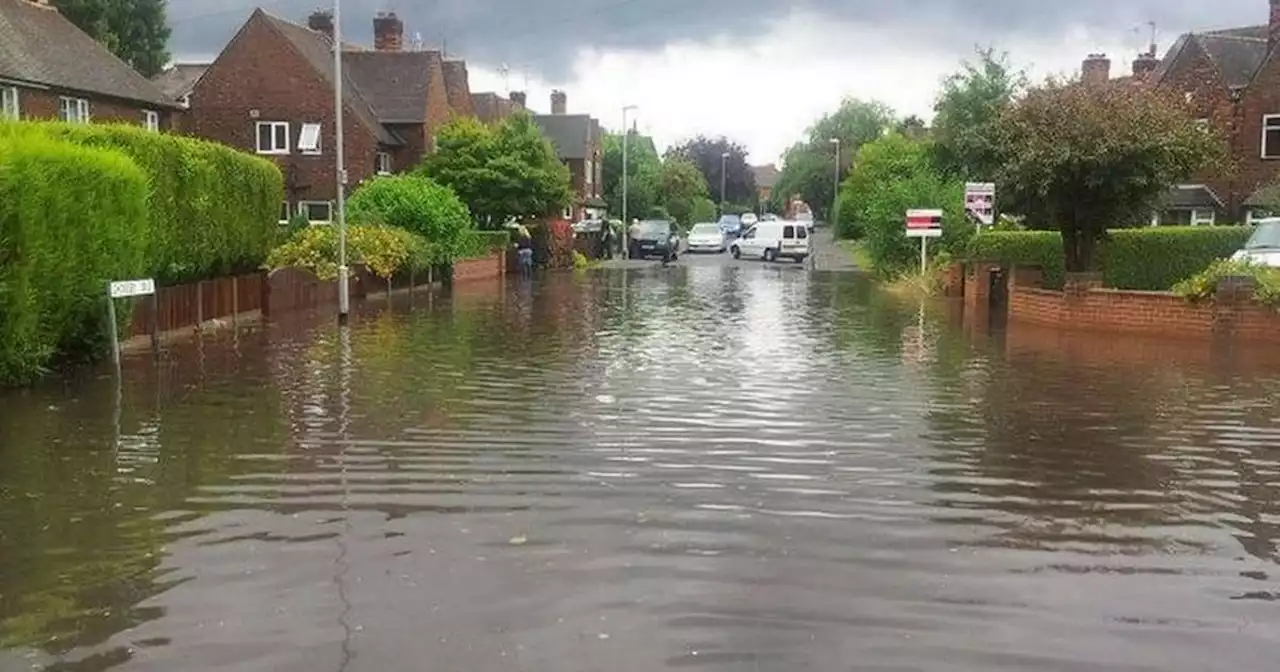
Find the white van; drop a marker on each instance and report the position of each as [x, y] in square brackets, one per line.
[770, 241]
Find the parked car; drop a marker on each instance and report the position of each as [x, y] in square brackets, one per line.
[749, 220]
[731, 225]
[656, 237]
[774, 240]
[769, 217]
[805, 218]
[1263, 247]
[706, 237]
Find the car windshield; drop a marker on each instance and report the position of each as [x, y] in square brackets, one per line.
[704, 230]
[731, 220]
[1265, 237]
[654, 228]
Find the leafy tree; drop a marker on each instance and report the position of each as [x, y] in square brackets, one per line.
[644, 174]
[967, 111]
[913, 127]
[137, 31]
[809, 167]
[500, 172]
[1094, 156]
[682, 189]
[707, 154]
[890, 176]
[704, 210]
[415, 204]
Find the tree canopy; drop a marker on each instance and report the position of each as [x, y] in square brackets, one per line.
[707, 154]
[499, 172]
[644, 174]
[683, 190]
[136, 31]
[1093, 156]
[967, 112]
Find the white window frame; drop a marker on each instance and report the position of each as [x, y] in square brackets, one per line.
[303, 209]
[279, 131]
[303, 146]
[151, 120]
[590, 172]
[73, 110]
[1274, 121]
[382, 163]
[9, 106]
[286, 210]
[1197, 220]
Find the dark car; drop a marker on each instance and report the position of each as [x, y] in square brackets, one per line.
[656, 237]
[731, 225]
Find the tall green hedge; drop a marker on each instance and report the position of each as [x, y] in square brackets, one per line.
[1144, 258]
[212, 210]
[71, 219]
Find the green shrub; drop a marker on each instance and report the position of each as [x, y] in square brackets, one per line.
[704, 210]
[212, 210]
[386, 250]
[1202, 286]
[483, 243]
[418, 205]
[1148, 258]
[71, 220]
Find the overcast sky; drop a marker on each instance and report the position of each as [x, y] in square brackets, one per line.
[759, 71]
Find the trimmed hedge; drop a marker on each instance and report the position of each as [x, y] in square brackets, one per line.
[212, 210]
[1152, 258]
[71, 219]
[483, 243]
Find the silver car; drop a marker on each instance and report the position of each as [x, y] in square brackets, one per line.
[706, 237]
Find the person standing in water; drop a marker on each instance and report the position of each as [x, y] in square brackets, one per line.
[524, 251]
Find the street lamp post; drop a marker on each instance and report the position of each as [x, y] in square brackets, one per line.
[835, 186]
[344, 297]
[626, 227]
[724, 166]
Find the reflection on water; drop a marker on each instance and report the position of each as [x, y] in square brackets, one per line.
[713, 467]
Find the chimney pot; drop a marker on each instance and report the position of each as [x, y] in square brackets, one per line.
[560, 101]
[1096, 69]
[388, 32]
[1145, 64]
[321, 21]
[518, 99]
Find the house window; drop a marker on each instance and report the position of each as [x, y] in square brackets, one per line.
[317, 212]
[1201, 217]
[1189, 96]
[382, 163]
[73, 110]
[273, 137]
[284, 212]
[590, 172]
[309, 139]
[151, 120]
[9, 103]
[1252, 215]
[1271, 136]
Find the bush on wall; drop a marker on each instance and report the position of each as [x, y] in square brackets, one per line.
[71, 220]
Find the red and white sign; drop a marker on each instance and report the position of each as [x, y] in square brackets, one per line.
[924, 223]
[980, 201]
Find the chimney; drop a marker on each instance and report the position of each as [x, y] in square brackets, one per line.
[559, 101]
[1273, 25]
[1145, 64]
[518, 99]
[1097, 68]
[321, 21]
[388, 32]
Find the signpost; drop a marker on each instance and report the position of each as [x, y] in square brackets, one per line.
[924, 224]
[980, 201]
[124, 289]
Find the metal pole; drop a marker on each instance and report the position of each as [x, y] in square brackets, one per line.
[924, 254]
[626, 227]
[115, 337]
[344, 298]
[835, 188]
[724, 167]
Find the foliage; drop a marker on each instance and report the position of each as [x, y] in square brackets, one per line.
[500, 172]
[1203, 285]
[644, 174]
[580, 261]
[893, 175]
[415, 204]
[683, 188]
[483, 243]
[211, 211]
[966, 114]
[703, 210]
[1143, 259]
[707, 154]
[1083, 156]
[386, 250]
[136, 31]
[809, 168]
[71, 220]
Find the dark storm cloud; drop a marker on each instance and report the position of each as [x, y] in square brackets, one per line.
[544, 35]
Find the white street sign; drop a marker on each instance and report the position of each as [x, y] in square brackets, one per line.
[980, 201]
[924, 233]
[127, 288]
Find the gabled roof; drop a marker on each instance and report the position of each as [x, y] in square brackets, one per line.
[180, 79]
[1185, 196]
[317, 49]
[395, 84]
[1237, 53]
[39, 45]
[491, 107]
[570, 133]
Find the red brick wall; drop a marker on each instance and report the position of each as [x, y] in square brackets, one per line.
[260, 70]
[438, 110]
[483, 268]
[1130, 312]
[1195, 74]
[1262, 97]
[43, 104]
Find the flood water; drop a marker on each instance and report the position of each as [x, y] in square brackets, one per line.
[712, 468]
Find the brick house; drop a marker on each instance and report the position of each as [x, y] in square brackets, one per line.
[270, 91]
[579, 143]
[50, 69]
[1231, 78]
[766, 177]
